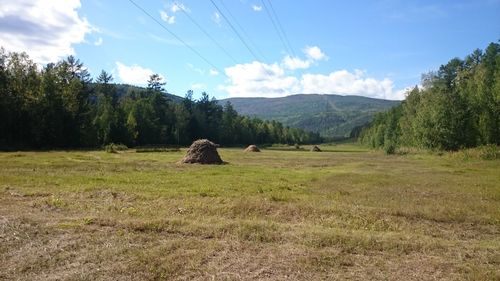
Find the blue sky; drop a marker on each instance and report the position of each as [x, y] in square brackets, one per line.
[369, 48]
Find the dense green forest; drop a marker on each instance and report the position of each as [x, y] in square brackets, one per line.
[457, 107]
[60, 106]
[333, 116]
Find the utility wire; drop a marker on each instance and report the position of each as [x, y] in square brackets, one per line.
[243, 30]
[235, 31]
[206, 33]
[268, 12]
[281, 27]
[176, 37]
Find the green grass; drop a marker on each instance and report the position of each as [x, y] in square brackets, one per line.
[344, 213]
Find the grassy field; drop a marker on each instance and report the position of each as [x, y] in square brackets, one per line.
[345, 213]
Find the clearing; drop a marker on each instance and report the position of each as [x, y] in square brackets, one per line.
[344, 213]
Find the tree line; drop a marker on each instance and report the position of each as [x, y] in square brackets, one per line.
[456, 107]
[59, 105]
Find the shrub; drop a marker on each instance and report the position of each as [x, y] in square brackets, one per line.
[489, 152]
[114, 148]
[485, 152]
[389, 148]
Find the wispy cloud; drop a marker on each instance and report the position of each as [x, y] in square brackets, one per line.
[170, 19]
[257, 8]
[216, 18]
[168, 14]
[98, 42]
[176, 7]
[195, 69]
[167, 41]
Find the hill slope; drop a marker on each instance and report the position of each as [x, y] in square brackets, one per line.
[122, 89]
[331, 115]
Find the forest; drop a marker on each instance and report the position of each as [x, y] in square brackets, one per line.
[59, 105]
[456, 107]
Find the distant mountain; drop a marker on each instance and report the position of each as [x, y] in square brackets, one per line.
[331, 115]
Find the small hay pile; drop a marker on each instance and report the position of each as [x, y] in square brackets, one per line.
[315, 149]
[202, 152]
[252, 148]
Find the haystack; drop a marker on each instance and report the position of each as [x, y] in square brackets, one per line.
[315, 149]
[202, 152]
[252, 148]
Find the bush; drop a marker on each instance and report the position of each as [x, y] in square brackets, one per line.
[489, 152]
[485, 152]
[114, 148]
[389, 148]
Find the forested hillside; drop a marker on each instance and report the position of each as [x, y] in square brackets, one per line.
[457, 106]
[59, 106]
[330, 115]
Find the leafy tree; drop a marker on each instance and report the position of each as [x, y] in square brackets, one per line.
[458, 106]
[155, 83]
[59, 106]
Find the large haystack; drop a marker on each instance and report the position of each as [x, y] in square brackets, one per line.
[315, 149]
[202, 152]
[252, 148]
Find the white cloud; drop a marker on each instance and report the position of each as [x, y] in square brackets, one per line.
[213, 72]
[346, 83]
[134, 74]
[195, 69]
[314, 53]
[46, 30]
[198, 86]
[293, 63]
[166, 18]
[178, 7]
[216, 18]
[259, 79]
[401, 94]
[98, 42]
[257, 8]
[174, 8]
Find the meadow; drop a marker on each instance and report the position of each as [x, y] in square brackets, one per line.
[346, 213]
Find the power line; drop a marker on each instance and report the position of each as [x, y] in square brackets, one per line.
[234, 30]
[281, 27]
[206, 33]
[176, 37]
[243, 30]
[276, 27]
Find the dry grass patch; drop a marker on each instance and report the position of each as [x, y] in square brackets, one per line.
[282, 215]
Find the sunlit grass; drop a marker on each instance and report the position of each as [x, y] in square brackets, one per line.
[345, 211]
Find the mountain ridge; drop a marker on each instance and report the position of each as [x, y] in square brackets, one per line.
[330, 115]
